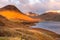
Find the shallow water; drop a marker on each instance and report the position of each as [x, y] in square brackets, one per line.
[49, 25]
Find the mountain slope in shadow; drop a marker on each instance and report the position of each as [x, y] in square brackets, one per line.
[50, 16]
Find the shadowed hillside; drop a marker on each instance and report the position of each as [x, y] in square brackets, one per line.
[50, 16]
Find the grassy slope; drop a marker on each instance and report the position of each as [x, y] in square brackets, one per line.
[16, 31]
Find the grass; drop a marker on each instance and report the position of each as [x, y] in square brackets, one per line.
[11, 38]
[23, 34]
[3, 38]
[20, 31]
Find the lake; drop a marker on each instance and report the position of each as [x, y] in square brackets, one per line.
[49, 25]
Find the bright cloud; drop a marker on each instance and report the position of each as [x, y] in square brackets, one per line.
[34, 1]
[52, 0]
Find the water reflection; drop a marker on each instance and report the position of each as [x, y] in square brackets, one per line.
[52, 26]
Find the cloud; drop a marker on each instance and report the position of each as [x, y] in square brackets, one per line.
[3, 3]
[33, 5]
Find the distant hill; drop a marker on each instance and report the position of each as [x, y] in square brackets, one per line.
[50, 16]
[31, 14]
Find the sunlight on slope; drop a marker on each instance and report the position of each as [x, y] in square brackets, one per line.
[16, 15]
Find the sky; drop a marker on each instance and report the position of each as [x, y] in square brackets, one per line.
[36, 6]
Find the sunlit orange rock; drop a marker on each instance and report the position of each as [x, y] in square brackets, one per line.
[11, 12]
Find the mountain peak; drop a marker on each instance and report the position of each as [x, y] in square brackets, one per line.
[11, 8]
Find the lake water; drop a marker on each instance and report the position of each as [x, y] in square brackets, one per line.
[52, 26]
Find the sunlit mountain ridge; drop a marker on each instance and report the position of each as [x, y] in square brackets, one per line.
[11, 12]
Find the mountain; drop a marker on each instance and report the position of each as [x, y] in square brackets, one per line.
[10, 30]
[31, 14]
[50, 16]
[14, 31]
[14, 14]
